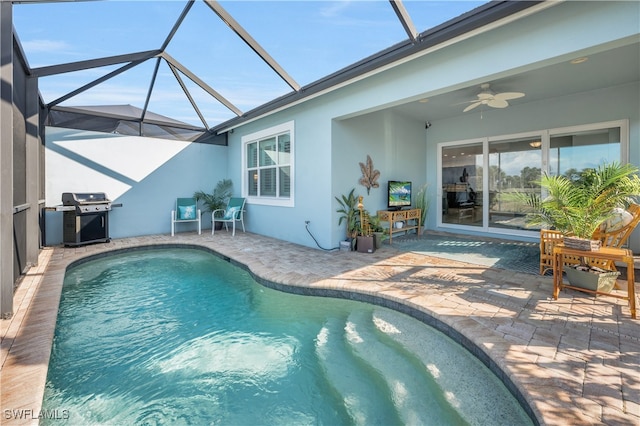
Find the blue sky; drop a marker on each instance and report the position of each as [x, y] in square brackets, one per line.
[309, 39]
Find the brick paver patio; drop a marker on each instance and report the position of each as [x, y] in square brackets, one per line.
[574, 360]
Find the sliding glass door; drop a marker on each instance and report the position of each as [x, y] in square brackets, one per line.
[515, 167]
[462, 180]
[573, 151]
[483, 180]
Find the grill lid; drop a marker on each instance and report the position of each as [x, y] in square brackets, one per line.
[84, 198]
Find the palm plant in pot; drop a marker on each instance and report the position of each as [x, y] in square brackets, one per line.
[578, 206]
[349, 214]
[217, 199]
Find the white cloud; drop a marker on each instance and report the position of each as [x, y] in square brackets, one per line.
[334, 9]
[49, 46]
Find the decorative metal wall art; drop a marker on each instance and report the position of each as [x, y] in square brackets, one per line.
[370, 175]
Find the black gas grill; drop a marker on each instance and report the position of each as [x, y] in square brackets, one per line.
[86, 218]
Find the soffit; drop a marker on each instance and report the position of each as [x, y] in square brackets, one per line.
[561, 78]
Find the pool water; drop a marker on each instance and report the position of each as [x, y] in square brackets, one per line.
[180, 336]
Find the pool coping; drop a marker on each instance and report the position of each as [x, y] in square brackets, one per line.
[547, 398]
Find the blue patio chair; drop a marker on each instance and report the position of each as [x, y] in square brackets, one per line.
[186, 210]
[232, 214]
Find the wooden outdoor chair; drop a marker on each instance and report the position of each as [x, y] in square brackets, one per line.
[618, 237]
[548, 239]
[610, 238]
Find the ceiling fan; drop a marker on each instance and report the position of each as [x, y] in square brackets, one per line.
[494, 100]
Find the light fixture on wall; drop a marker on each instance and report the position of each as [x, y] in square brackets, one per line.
[536, 144]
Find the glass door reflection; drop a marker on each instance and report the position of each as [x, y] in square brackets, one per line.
[462, 184]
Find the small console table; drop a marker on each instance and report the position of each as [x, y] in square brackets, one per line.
[606, 253]
[410, 218]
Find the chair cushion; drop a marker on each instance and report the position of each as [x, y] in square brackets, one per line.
[620, 219]
[231, 213]
[186, 212]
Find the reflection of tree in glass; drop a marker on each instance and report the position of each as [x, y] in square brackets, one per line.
[528, 178]
[496, 177]
[573, 174]
[531, 177]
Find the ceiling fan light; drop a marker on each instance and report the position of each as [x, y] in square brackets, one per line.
[498, 103]
[535, 144]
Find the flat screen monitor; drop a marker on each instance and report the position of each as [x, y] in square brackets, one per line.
[399, 194]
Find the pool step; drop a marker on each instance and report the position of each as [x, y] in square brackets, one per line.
[403, 372]
[352, 380]
[425, 376]
[458, 374]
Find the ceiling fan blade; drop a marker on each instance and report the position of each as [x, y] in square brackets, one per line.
[466, 102]
[498, 103]
[505, 96]
[472, 106]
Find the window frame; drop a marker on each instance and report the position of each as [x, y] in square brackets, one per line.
[257, 137]
[545, 136]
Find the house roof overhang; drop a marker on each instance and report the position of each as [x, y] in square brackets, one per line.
[483, 17]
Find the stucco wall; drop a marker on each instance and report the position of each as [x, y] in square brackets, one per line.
[327, 153]
[312, 178]
[146, 175]
[396, 145]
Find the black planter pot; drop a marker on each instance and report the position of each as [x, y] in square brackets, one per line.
[365, 244]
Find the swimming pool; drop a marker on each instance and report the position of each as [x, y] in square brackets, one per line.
[182, 336]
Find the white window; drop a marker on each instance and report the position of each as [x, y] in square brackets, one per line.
[267, 164]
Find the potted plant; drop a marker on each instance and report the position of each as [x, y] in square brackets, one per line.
[377, 230]
[217, 199]
[349, 214]
[578, 206]
[422, 203]
[365, 242]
